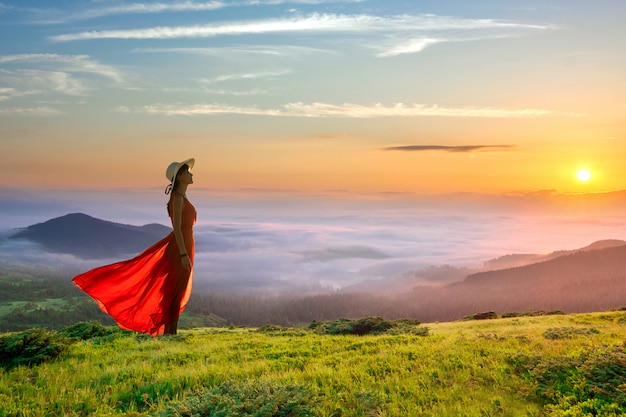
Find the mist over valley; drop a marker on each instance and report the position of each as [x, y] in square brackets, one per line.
[277, 257]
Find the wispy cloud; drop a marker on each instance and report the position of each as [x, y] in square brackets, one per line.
[206, 110]
[237, 93]
[411, 46]
[330, 23]
[53, 17]
[71, 75]
[229, 51]
[72, 63]
[244, 76]
[61, 82]
[135, 8]
[346, 110]
[455, 149]
[39, 111]
[7, 93]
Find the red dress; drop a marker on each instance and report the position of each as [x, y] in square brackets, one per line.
[147, 292]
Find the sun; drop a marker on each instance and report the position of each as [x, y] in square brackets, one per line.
[583, 175]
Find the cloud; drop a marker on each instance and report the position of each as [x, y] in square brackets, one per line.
[321, 23]
[229, 51]
[404, 110]
[70, 63]
[157, 7]
[409, 47]
[350, 252]
[240, 93]
[258, 241]
[54, 16]
[346, 110]
[39, 111]
[61, 82]
[7, 93]
[66, 74]
[465, 148]
[145, 8]
[244, 76]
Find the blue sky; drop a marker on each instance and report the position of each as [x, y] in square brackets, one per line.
[486, 96]
[335, 141]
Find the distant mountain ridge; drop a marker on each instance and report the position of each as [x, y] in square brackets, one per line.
[515, 260]
[589, 279]
[91, 238]
[442, 275]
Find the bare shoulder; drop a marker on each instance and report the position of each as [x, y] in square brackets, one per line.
[178, 199]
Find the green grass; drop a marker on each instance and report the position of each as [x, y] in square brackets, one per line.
[466, 368]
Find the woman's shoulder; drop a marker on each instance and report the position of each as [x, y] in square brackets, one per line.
[177, 194]
[177, 198]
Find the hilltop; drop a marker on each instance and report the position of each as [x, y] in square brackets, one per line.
[519, 367]
[88, 237]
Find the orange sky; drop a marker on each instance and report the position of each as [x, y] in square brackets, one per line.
[479, 100]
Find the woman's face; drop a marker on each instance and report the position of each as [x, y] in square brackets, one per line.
[184, 176]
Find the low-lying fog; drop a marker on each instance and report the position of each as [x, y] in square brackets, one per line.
[283, 241]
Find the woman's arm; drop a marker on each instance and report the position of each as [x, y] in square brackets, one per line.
[177, 221]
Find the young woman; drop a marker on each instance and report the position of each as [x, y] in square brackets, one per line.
[149, 292]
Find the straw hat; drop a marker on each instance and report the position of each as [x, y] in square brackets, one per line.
[172, 171]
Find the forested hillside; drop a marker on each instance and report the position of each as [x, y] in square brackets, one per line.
[87, 237]
[581, 282]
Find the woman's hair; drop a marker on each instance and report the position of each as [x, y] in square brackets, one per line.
[183, 168]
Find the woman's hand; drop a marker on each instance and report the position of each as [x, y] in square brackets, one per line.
[186, 260]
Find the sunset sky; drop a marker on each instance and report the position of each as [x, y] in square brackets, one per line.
[313, 95]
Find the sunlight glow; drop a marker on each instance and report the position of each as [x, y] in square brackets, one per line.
[583, 175]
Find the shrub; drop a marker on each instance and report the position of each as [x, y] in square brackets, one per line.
[568, 332]
[487, 315]
[31, 347]
[368, 325]
[273, 330]
[532, 313]
[593, 382]
[251, 398]
[34, 346]
[88, 330]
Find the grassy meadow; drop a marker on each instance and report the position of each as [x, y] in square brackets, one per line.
[504, 367]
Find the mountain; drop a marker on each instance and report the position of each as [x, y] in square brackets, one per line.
[514, 260]
[87, 237]
[441, 275]
[589, 279]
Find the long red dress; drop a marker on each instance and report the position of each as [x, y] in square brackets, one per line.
[146, 293]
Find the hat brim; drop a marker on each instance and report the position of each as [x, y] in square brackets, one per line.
[189, 162]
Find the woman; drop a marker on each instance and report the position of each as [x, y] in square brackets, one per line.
[149, 292]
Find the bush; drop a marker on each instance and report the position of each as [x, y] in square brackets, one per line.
[88, 330]
[258, 399]
[487, 315]
[532, 313]
[568, 332]
[31, 347]
[273, 330]
[592, 383]
[368, 325]
[35, 346]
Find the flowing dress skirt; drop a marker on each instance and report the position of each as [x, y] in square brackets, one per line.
[146, 293]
